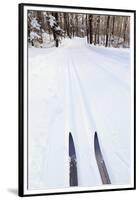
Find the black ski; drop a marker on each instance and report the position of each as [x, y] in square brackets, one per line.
[100, 162]
[73, 163]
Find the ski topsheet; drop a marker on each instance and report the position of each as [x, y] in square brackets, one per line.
[73, 164]
[100, 162]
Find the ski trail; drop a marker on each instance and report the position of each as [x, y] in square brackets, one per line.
[87, 110]
[110, 64]
[77, 90]
[104, 126]
[106, 52]
[88, 113]
[82, 130]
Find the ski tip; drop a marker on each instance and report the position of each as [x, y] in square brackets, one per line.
[70, 137]
[95, 134]
[71, 146]
[95, 139]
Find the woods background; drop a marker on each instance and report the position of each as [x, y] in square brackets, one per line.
[51, 27]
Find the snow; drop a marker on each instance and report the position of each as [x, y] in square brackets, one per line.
[35, 24]
[80, 89]
[82, 31]
[45, 37]
[34, 35]
[52, 20]
[58, 28]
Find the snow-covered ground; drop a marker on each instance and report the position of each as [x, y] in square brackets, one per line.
[80, 89]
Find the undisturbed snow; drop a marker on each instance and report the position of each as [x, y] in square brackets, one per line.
[80, 89]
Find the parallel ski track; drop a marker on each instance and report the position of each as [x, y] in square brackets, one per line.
[85, 114]
[72, 71]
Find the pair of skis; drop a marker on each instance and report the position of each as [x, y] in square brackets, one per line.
[99, 158]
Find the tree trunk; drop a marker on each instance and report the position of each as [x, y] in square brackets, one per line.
[107, 31]
[54, 33]
[95, 39]
[90, 29]
[98, 23]
[76, 18]
[87, 31]
[124, 31]
[113, 25]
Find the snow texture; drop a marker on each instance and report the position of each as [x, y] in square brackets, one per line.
[35, 24]
[80, 89]
[52, 21]
[34, 36]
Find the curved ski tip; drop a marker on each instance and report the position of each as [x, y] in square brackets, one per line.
[71, 147]
[70, 136]
[95, 134]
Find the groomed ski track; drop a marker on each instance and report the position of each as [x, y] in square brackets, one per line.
[78, 89]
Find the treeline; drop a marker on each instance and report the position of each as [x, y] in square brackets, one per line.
[109, 31]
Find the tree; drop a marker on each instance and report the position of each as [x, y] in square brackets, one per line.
[98, 23]
[56, 30]
[34, 29]
[76, 24]
[90, 30]
[124, 30]
[107, 31]
[87, 29]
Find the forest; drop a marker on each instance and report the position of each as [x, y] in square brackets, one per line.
[47, 29]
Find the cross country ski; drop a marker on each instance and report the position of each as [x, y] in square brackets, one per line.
[73, 163]
[100, 162]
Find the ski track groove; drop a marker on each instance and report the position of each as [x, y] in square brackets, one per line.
[84, 100]
[85, 116]
[88, 113]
